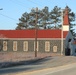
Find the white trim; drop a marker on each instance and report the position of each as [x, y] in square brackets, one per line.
[65, 27]
[31, 38]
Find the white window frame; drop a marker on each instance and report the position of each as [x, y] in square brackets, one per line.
[54, 49]
[14, 45]
[37, 46]
[47, 46]
[25, 46]
[4, 45]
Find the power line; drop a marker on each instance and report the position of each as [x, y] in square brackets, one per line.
[8, 17]
[35, 3]
[19, 3]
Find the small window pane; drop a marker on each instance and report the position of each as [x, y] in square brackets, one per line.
[37, 46]
[47, 46]
[54, 48]
[4, 45]
[14, 45]
[25, 46]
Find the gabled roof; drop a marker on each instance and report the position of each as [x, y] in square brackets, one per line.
[31, 33]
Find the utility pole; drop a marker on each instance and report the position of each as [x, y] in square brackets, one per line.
[0, 41]
[62, 33]
[36, 32]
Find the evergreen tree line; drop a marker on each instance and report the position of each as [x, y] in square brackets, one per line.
[45, 19]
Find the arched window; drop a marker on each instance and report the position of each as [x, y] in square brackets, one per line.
[25, 46]
[37, 46]
[69, 40]
[54, 48]
[4, 45]
[47, 46]
[14, 45]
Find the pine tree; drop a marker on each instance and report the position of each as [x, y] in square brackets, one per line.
[55, 16]
[45, 19]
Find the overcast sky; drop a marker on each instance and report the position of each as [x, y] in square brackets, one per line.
[13, 9]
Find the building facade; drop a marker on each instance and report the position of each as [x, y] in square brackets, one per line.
[52, 41]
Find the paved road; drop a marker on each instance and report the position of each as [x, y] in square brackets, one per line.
[62, 70]
[65, 71]
[48, 62]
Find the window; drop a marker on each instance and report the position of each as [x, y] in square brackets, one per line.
[54, 48]
[14, 45]
[25, 46]
[37, 46]
[69, 40]
[75, 50]
[47, 46]
[4, 45]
